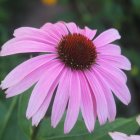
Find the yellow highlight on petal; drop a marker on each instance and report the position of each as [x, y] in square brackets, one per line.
[49, 2]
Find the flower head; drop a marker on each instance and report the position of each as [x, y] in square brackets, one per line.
[84, 69]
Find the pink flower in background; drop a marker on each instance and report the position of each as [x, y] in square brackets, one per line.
[122, 136]
[84, 70]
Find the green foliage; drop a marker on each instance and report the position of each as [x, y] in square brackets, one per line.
[79, 132]
[24, 124]
[8, 122]
[15, 126]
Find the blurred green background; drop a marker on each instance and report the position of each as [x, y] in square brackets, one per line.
[100, 14]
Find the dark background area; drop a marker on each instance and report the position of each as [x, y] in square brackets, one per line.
[123, 15]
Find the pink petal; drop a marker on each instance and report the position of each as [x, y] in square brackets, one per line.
[58, 27]
[61, 98]
[57, 30]
[118, 136]
[72, 27]
[42, 88]
[122, 136]
[87, 109]
[39, 115]
[115, 71]
[30, 38]
[25, 46]
[28, 31]
[118, 61]
[22, 70]
[74, 102]
[118, 87]
[27, 82]
[109, 97]
[109, 49]
[102, 111]
[106, 37]
[90, 33]
[46, 26]
[81, 31]
[61, 29]
[134, 137]
[93, 101]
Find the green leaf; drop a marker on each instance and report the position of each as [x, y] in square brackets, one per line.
[136, 4]
[24, 124]
[6, 115]
[46, 132]
[9, 129]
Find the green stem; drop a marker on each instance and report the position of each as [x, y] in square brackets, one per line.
[34, 134]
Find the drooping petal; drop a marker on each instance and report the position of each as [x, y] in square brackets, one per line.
[31, 38]
[61, 98]
[22, 70]
[87, 109]
[109, 97]
[38, 116]
[118, 61]
[134, 137]
[28, 31]
[28, 81]
[42, 88]
[35, 34]
[72, 27]
[116, 85]
[102, 111]
[74, 102]
[109, 49]
[106, 37]
[114, 70]
[25, 46]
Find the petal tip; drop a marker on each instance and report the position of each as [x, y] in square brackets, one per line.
[8, 96]
[110, 134]
[28, 116]
[35, 123]
[66, 131]
[2, 85]
[3, 51]
[1, 54]
[53, 124]
[138, 119]
[116, 33]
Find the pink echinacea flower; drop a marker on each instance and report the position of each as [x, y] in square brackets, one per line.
[85, 69]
